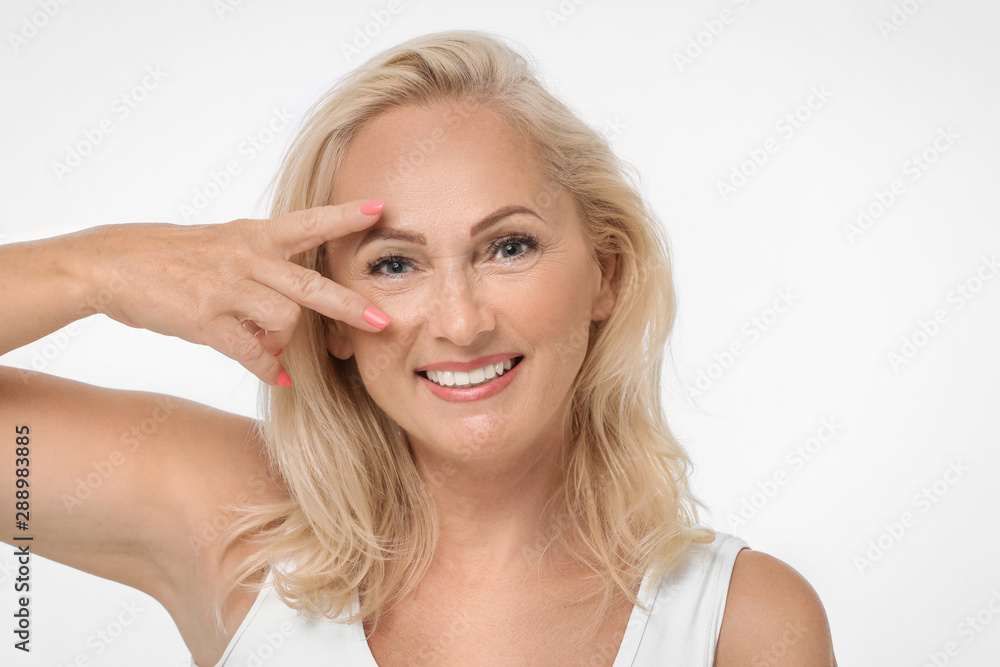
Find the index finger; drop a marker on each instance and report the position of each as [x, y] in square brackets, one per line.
[303, 230]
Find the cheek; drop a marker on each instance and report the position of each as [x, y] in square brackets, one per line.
[377, 356]
[555, 313]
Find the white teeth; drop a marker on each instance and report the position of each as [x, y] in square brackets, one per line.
[470, 378]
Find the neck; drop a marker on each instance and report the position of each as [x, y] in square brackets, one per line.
[490, 511]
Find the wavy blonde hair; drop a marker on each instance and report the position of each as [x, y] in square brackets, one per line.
[358, 515]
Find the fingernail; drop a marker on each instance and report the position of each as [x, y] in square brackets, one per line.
[376, 317]
[278, 353]
[372, 206]
[284, 380]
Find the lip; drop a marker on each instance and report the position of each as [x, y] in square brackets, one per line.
[477, 393]
[468, 365]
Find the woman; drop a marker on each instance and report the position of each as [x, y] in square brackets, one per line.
[459, 308]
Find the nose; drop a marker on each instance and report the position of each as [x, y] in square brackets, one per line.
[457, 311]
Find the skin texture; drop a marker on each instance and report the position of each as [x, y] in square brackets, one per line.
[773, 618]
[456, 299]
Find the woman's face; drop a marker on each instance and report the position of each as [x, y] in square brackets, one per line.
[479, 261]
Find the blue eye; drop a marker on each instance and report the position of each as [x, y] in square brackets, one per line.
[394, 263]
[513, 246]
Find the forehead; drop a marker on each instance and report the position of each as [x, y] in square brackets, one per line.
[446, 154]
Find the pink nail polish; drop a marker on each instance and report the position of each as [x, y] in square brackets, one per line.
[284, 380]
[376, 317]
[278, 353]
[372, 206]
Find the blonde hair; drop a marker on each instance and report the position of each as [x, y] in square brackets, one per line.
[358, 515]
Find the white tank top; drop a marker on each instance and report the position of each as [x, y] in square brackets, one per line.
[681, 628]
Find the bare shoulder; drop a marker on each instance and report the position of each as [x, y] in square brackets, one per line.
[773, 617]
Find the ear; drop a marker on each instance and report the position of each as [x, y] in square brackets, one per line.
[338, 341]
[607, 293]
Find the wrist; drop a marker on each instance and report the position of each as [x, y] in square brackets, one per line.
[86, 272]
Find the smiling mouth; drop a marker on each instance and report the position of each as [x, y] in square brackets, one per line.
[474, 378]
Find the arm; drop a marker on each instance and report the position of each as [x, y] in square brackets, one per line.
[42, 290]
[229, 286]
[773, 617]
[116, 480]
[127, 484]
[123, 484]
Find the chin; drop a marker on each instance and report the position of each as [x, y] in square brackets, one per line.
[466, 440]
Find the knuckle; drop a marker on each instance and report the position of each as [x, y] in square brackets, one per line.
[290, 314]
[309, 283]
[281, 314]
[257, 235]
[216, 335]
[239, 228]
[310, 220]
[249, 233]
[226, 341]
[268, 307]
[345, 301]
[248, 349]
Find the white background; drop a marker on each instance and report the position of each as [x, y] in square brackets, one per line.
[888, 90]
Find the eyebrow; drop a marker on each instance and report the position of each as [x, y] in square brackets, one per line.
[478, 228]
